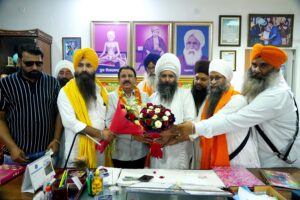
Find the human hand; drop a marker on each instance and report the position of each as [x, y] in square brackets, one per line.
[145, 138]
[54, 145]
[108, 135]
[18, 155]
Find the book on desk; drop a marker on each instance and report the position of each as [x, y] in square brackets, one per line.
[8, 172]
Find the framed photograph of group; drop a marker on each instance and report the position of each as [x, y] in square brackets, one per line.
[230, 30]
[69, 45]
[271, 29]
[111, 41]
[192, 42]
[230, 57]
[150, 37]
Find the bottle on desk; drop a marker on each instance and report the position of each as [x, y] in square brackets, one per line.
[48, 193]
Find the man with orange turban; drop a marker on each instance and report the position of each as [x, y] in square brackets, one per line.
[271, 106]
[82, 105]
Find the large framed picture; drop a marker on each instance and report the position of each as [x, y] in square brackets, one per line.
[69, 45]
[192, 42]
[149, 37]
[270, 29]
[111, 41]
[229, 30]
[230, 57]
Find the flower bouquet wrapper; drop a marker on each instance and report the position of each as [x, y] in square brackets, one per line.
[155, 148]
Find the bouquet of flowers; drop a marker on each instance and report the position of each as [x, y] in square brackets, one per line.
[154, 119]
[124, 121]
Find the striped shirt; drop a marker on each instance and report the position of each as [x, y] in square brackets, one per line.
[30, 110]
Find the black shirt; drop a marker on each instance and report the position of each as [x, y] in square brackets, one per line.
[30, 109]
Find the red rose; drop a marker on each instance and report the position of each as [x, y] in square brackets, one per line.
[131, 116]
[161, 114]
[148, 122]
[144, 111]
[122, 106]
[149, 104]
[166, 124]
[151, 113]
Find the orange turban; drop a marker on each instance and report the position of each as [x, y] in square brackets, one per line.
[271, 54]
[88, 54]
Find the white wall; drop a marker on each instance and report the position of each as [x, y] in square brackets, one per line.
[71, 18]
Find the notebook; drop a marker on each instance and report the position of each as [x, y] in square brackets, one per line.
[237, 176]
[8, 172]
[280, 179]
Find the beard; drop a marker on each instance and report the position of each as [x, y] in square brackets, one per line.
[215, 94]
[35, 75]
[151, 80]
[191, 56]
[86, 85]
[166, 91]
[256, 83]
[62, 81]
[199, 96]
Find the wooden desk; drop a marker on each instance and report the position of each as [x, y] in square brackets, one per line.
[12, 189]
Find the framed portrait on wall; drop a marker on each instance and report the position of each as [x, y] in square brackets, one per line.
[69, 45]
[230, 57]
[192, 42]
[111, 41]
[270, 29]
[149, 37]
[229, 30]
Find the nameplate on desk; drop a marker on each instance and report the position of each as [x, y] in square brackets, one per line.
[37, 173]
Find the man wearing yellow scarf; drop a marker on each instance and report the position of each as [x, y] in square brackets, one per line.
[82, 105]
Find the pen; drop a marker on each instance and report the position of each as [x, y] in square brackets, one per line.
[62, 180]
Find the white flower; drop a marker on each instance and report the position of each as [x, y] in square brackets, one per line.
[157, 124]
[154, 117]
[165, 118]
[150, 107]
[141, 115]
[167, 113]
[137, 122]
[148, 110]
[157, 110]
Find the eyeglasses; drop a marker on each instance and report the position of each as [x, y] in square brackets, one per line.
[31, 63]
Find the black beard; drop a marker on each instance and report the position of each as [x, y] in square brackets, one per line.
[63, 81]
[33, 74]
[214, 97]
[86, 85]
[166, 91]
[199, 97]
[255, 84]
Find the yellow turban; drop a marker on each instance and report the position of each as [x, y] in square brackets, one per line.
[88, 54]
[271, 54]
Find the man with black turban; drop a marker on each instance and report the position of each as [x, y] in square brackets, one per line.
[148, 85]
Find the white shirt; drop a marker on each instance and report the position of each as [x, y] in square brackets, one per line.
[274, 111]
[72, 125]
[141, 85]
[126, 147]
[177, 156]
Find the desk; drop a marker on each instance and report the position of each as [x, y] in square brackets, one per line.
[12, 189]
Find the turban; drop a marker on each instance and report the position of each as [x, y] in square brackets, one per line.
[197, 34]
[62, 65]
[222, 67]
[271, 54]
[168, 61]
[88, 54]
[202, 66]
[151, 57]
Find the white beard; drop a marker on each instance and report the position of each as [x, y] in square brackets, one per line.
[151, 80]
[192, 56]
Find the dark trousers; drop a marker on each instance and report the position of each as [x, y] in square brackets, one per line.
[135, 164]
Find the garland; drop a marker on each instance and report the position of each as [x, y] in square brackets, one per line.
[137, 96]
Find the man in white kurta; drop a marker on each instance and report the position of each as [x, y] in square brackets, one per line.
[181, 105]
[81, 104]
[272, 108]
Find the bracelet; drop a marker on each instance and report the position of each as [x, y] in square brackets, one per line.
[56, 140]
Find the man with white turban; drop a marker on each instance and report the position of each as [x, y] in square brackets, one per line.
[64, 71]
[194, 41]
[272, 112]
[82, 106]
[235, 147]
[181, 103]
